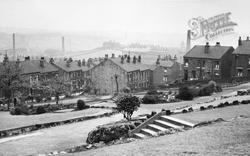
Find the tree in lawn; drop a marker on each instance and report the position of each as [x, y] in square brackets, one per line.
[56, 86]
[127, 104]
[10, 79]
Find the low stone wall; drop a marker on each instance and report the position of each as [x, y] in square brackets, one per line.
[26, 129]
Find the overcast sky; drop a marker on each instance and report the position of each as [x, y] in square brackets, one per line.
[164, 16]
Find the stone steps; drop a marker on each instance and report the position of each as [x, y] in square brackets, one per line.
[160, 123]
[177, 121]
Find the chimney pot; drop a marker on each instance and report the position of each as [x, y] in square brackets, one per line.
[239, 42]
[207, 47]
[113, 55]
[217, 43]
[27, 58]
[247, 38]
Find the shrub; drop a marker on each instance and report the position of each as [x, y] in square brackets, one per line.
[153, 113]
[190, 109]
[221, 105]
[20, 110]
[168, 112]
[127, 104]
[40, 110]
[245, 101]
[184, 111]
[210, 107]
[17, 111]
[185, 94]
[149, 99]
[236, 102]
[109, 133]
[202, 108]
[226, 104]
[206, 90]
[218, 88]
[80, 104]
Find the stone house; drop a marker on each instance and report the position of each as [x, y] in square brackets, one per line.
[166, 72]
[114, 74]
[73, 72]
[208, 62]
[241, 59]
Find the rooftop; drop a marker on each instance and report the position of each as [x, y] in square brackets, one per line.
[214, 52]
[244, 48]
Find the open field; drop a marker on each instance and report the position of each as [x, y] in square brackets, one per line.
[9, 121]
[223, 138]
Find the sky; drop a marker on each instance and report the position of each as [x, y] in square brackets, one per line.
[144, 16]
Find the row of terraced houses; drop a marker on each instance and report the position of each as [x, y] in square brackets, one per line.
[108, 76]
[218, 62]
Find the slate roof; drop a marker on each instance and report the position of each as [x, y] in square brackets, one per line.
[33, 66]
[72, 67]
[132, 66]
[244, 48]
[215, 52]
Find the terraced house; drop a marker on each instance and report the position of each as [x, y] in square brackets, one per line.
[241, 59]
[206, 62]
[74, 72]
[113, 74]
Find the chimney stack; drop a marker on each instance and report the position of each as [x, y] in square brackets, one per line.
[139, 58]
[128, 59]
[42, 62]
[113, 55]
[83, 62]
[14, 45]
[134, 59]
[158, 62]
[63, 46]
[122, 59]
[79, 63]
[51, 60]
[106, 56]
[27, 58]
[207, 47]
[188, 44]
[239, 42]
[217, 43]
[247, 38]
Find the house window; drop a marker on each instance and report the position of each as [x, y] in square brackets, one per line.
[240, 72]
[199, 63]
[165, 79]
[186, 63]
[217, 65]
[194, 73]
[203, 63]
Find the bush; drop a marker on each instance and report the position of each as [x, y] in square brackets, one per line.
[20, 110]
[226, 104]
[168, 112]
[206, 90]
[109, 133]
[80, 104]
[202, 108]
[190, 109]
[150, 99]
[184, 111]
[245, 101]
[236, 102]
[40, 110]
[210, 107]
[221, 105]
[185, 94]
[127, 104]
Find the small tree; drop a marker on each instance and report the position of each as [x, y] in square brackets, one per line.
[10, 79]
[127, 104]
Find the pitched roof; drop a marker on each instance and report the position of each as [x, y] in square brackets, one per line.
[72, 67]
[132, 66]
[244, 48]
[166, 63]
[33, 66]
[215, 52]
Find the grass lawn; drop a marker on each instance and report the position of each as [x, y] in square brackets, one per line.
[223, 138]
[13, 121]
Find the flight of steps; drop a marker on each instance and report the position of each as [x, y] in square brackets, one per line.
[160, 123]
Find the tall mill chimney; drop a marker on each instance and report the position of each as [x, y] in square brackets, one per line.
[63, 45]
[14, 45]
[188, 45]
